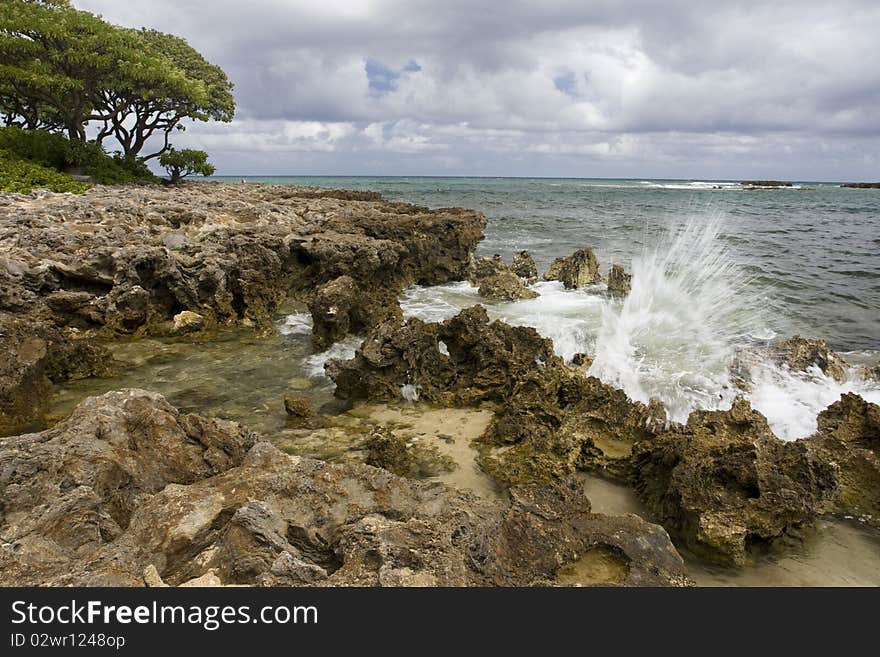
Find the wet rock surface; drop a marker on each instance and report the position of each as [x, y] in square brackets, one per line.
[128, 492]
[801, 354]
[619, 281]
[524, 266]
[577, 270]
[497, 282]
[849, 436]
[724, 484]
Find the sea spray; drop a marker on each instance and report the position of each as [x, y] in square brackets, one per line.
[675, 334]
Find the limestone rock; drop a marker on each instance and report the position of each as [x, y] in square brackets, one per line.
[187, 321]
[849, 435]
[619, 282]
[724, 484]
[577, 270]
[129, 492]
[524, 266]
[496, 282]
[802, 353]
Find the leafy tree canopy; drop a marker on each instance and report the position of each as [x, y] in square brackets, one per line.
[62, 69]
[185, 162]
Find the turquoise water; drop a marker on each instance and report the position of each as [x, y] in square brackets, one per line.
[811, 254]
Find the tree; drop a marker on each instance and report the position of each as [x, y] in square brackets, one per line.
[62, 69]
[186, 162]
[53, 62]
[158, 98]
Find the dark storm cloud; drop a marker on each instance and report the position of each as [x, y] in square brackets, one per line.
[646, 88]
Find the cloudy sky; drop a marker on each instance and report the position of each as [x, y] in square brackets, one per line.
[637, 88]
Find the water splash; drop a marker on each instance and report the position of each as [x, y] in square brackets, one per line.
[674, 336]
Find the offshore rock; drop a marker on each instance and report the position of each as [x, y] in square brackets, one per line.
[849, 435]
[724, 484]
[128, 492]
[577, 270]
[619, 282]
[524, 266]
[496, 282]
[801, 354]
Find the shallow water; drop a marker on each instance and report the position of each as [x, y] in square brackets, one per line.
[835, 553]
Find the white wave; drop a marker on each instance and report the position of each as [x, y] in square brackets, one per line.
[791, 400]
[344, 350]
[674, 336]
[296, 324]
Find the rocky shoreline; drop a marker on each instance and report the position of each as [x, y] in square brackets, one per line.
[129, 491]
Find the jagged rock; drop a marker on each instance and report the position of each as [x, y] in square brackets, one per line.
[550, 419]
[191, 258]
[187, 322]
[298, 409]
[127, 260]
[568, 422]
[619, 282]
[484, 360]
[577, 270]
[496, 282]
[582, 361]
[801, 354]
[724, 484]
[34, 356]
[386, 449]
[128, 492]
[849, 435]
[524, 266]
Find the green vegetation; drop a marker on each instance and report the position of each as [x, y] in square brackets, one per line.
[23, 176]
[66, 75]
[185, 162]
[57, 152]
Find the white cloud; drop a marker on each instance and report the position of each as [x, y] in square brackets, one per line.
[671, 89]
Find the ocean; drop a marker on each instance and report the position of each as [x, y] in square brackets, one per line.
[717, 269]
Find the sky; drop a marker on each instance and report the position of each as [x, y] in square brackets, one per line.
[598, 88]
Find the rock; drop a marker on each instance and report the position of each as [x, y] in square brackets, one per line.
[127, 260]
[801, 353]
[298, 408]
[35, 356]
[849, 435]
[577, 270]
[725, 485]
[386, 449]
[863, 185]
[524, 266]
[341, 307]
[187, 321]
[550, 419]
[619, 282]
[141, 501]
[484, 360]
[765, 183]
[152, 578]
[582, 361]
[497, 282]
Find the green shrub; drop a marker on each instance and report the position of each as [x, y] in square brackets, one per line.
[57, 152]
[23, 176]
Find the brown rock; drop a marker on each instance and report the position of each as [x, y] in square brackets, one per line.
[801, 354]
[137, 502]
[849, 435]
[496, 282]
[724, 484]
[619, 282]
[524, 267]
[577, 270]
